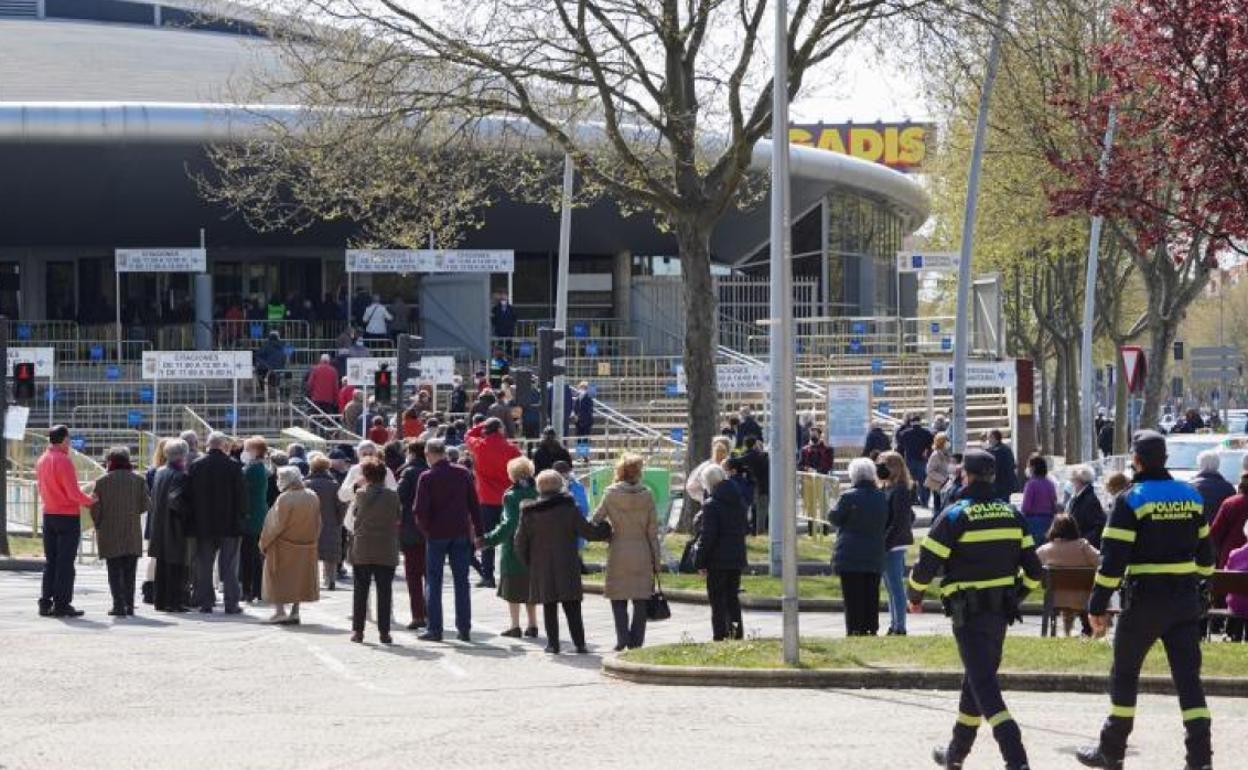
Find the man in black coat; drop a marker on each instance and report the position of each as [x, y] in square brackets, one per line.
[218, 505]
[503, 318]
[1210, 484]
[877, 441]
[1006, 481]
[1105, 438]
[748, 427]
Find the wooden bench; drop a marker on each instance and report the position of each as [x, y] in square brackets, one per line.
[1225, 582]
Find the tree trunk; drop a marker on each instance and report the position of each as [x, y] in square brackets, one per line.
[1163, 334]
[699, 348]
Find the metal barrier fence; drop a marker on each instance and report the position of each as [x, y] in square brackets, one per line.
[22, 492]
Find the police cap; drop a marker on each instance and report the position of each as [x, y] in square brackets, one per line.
[1149, 445]
[979, 463]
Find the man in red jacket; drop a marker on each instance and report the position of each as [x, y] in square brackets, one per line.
[322, 386]
[491, 451]
[61, 499]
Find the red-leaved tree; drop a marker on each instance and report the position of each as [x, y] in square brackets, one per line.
[1175, 192]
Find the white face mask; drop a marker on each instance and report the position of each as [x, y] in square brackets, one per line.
[245, 456]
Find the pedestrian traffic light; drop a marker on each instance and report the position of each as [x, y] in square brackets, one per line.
[550, 355]
[1178, 350]
[383, 379]
[408, 356]
[23, 382]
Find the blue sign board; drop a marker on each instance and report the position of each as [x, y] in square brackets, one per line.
[877, 387]
[256, 331]
[580, 330]
[877, 366]
[23, 331]
[855, 346]
[591, 349]
[145, 394]
[112, 373]
[582, 449]
[96, 352]
[52, 394]
[935, 327]
[916, 261]
[858, 327]
[134, 418]
[671, 389]
[526, 349]
[884, 407]
[678, 434]
[946, 343]
[79, 444]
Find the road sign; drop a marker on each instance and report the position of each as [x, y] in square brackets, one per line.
[849, 413]
[197, 364]
[979, 374]
[360, 370]
[440, 370]
[1134, 363]
[430, 261]
[44, 360]
[1215, 364]
[930, 262]
[161, 260]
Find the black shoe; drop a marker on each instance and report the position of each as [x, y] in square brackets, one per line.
[415, 624]
[179, 609]
[942, 757]
[67, 611]
[385, 639]
[486, 583]
[1190, 766]
[620, 647]
[1094, 756]
[130, 610]
[582, 649]
[531, 632]
[553, 649]
[233, 610]
[464, 636]
[430, 636]
[118, 612]
[205, 610]
[45, 609]
[512, 633]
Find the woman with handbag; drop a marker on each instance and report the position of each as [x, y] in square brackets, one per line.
[939, 463]
[632, 552]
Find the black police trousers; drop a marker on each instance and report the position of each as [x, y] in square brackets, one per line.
[980, 640]
[1173, 617]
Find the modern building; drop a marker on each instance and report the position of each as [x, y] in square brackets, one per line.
[106, 107]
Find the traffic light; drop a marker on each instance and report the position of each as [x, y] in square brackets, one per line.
[23, 382]
[550, 355]
[1178, 350]
[408, 360]
[383, 379]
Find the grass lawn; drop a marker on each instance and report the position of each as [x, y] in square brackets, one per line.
[808, 549]
[20, 545]
[936, 653]
[808, 587]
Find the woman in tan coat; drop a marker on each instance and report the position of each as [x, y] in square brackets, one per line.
[1066, 548]
[121, 498]
[288, 542]
[632, 552]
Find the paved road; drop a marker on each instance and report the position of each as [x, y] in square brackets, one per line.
[213, 692]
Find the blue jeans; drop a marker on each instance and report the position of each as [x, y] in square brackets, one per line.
[1038, 527]
[61, 534]
[459, 549]
[918, 472]
[895, 583]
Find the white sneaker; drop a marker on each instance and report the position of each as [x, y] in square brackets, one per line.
[278, 619]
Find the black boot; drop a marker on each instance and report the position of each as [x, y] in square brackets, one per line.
[1094, 756]
[945, 758]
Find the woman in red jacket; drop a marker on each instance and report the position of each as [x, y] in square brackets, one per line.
[491, 451]
[1227, 530]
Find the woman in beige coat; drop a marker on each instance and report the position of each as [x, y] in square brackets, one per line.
[632, 552]
[288, 542]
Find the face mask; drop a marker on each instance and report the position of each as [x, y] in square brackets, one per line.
[245, 456]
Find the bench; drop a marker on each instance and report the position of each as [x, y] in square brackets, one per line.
[1225, 582]
[1075, 582]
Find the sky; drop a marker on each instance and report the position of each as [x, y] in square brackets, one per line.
[865, 91]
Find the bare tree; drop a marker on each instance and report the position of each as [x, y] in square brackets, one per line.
[659, 103]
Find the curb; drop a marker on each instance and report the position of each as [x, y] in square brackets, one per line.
[894, 679]
[14, 564]
[772, 604]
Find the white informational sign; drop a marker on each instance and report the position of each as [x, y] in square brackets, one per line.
[360, 371]
[733, 378]
[44, 360]
[162, 260]
[439, 370]
[197, 364]
[849, 413]
[979, 374]
[930, 262]
[15, 422]
[430, 261]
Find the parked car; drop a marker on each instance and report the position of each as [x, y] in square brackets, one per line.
[1183, 449]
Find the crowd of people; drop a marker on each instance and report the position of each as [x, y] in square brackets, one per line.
[279, 527]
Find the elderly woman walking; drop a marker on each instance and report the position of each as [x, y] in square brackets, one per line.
[546, 544]
[513, 584]
[121, 498]
[721, 556]
[861, 519]
[289, 543]
[170, 513]
[633, 551]
[333, 511]
[374, 548]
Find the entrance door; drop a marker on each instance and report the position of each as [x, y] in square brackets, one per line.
[61, 291]
[455, 311]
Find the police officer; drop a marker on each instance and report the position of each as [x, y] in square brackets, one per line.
[989, 562]
[1156, 549]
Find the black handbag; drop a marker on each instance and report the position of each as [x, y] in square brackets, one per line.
[656, 606]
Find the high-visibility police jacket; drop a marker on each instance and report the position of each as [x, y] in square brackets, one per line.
[981, 542]
[1156, 532]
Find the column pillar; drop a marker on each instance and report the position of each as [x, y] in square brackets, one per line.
[622, 285]
[203, 311]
